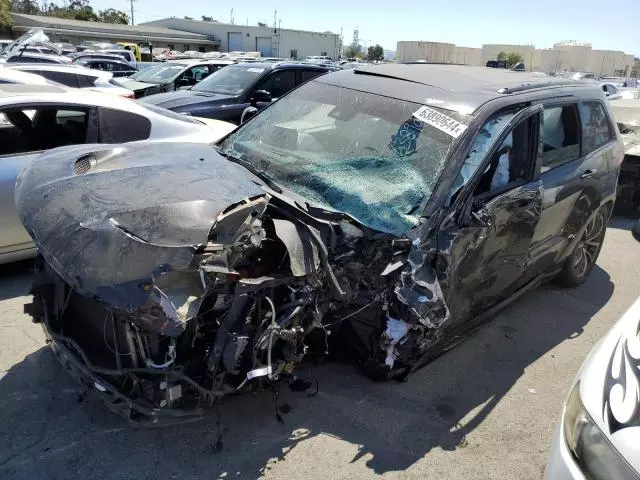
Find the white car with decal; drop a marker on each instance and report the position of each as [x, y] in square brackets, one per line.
[598, 436]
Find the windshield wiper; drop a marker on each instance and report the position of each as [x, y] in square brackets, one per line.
[249, 166]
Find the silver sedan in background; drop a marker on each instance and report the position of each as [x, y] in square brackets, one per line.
[37, 118]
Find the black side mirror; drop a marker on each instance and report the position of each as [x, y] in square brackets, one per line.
[260, 96]
[247, 114]
[635, 230]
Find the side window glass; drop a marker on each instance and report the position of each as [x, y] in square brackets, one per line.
[479, 148]
[596, 127]
[23, 131]
[64, 78]
[309, 74]
[279, 83]
[199, 72]
[117, 126]
[512, 162]
[559, 136]
[85, 81]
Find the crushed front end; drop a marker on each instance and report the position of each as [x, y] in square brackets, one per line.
[163, 311]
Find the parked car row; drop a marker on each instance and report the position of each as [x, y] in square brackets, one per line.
[225, 94]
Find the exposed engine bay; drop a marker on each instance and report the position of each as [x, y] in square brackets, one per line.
[271, 287]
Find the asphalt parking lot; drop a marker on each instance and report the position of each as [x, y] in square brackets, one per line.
[487, 409]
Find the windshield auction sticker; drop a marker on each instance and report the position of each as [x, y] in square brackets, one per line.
[440, 121]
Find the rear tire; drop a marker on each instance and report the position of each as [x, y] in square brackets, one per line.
[577, 267]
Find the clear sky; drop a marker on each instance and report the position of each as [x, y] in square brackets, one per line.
[467, 23]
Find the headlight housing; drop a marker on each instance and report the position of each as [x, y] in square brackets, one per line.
[593, 452]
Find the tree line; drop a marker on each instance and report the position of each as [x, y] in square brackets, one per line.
[374, 52]
[510, 59]
[71, 9]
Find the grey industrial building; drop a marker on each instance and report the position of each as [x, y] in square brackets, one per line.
[269, 41]
[183, 34]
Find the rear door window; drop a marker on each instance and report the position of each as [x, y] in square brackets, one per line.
[596, 126]
[117, 126]
[560, 136]
[279, 83]
[309, 74]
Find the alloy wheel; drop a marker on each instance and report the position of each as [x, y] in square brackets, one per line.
[586, 251]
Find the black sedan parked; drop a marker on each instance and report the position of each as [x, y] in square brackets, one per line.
[378, 212]
[119, 68]
[225, 94]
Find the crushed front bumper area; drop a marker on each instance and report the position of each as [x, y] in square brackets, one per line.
[75, 361]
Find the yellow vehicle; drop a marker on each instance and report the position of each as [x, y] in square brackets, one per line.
[134, 48]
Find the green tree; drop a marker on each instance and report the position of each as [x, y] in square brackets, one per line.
[501, 56]
[111, 15]
[352, 52]
[74, 10]
[5, 15]
[513, 58]
[375, 52]
[25, 6]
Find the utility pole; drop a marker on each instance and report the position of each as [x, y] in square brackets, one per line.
[231, 20]
[131, 1]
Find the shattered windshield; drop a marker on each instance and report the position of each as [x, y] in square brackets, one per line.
[363, 154]
[230, 80]
[159, 74]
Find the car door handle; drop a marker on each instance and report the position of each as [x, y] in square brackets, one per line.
[589, 173]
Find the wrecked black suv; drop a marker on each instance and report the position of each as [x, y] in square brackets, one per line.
[378, 212]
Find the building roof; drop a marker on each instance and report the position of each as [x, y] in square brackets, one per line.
[105, 30]
[199, 25]
[454, 87]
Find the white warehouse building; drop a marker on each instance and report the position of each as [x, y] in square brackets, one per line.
[270, 42]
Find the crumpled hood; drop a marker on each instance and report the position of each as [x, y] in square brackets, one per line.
[610, 385]
[184, 98]
[105, 215]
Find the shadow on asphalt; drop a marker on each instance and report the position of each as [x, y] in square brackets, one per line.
[46, 433]
[16, 279]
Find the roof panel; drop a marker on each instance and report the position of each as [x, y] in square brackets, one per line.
[458, 78]
[452, 87]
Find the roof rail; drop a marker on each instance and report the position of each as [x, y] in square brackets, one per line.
[531, 86]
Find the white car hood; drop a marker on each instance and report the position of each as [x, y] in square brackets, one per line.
[220, 128]
[610, 385]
